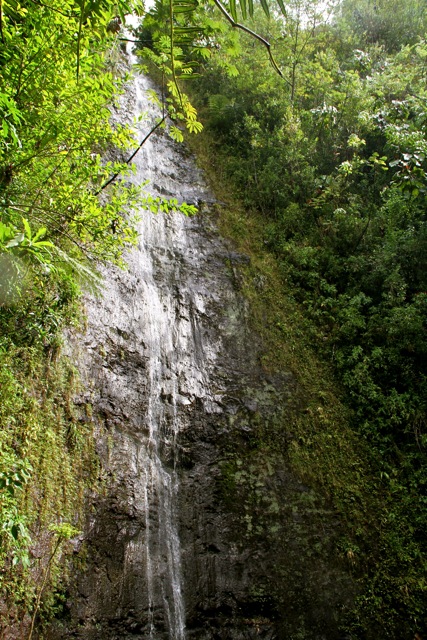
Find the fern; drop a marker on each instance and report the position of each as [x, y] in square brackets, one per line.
[87, 277]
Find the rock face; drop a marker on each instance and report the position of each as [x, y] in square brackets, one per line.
[202, 531]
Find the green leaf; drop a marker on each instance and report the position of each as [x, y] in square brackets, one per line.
[176, 134]
[187, 30]
[194, 126]
[264, 4]
[42, 243]
[184, 7]
[27, 228]
[40, 233]
[6, 233]
[282, 7]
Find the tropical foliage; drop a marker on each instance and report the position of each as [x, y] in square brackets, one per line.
[316, 114]
[56, 84]
[331, 151]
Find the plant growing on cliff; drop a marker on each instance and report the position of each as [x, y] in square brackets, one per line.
[335, 160]
[61, 533]
[337, 170]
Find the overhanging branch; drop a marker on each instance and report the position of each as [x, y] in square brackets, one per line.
[267, 45]
[131, 157]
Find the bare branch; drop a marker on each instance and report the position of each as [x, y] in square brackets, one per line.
[131, 157]
[267, 45]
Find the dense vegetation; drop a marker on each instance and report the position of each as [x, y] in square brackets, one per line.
[62, 212]
[57, 82]
[322, 136]
[332, 154]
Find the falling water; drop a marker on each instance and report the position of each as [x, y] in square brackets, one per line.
[174, 384]
[157, 314]
[160, 483]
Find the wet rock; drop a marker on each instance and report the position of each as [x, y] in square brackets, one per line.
[203, 532]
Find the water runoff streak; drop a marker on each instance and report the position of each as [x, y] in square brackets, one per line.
[175, 363]
[172, 375]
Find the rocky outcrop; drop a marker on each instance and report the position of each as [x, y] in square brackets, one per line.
[202, 530]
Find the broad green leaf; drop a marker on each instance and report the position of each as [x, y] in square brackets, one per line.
[194, 126]
[264, 4]
[176, 134]
[40, 233]
[233, 10]
[28, 233]
[6, 233]
[42, 243]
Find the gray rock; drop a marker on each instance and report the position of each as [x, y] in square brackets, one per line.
[203, 532]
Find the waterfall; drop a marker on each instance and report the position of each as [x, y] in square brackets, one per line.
[160, 484]
[150, 312]
[200, 531]
[167, 334]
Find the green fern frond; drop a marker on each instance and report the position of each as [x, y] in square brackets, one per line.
[87, 277]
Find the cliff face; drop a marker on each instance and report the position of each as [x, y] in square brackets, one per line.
[203, 531]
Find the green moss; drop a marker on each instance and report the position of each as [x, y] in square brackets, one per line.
[315, 435]
[41, 434]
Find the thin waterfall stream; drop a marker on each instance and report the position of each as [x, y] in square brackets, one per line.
[154, 305]
[167, 334]
[201, 531]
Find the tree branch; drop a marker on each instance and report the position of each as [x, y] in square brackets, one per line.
[79, 36]
[267, 45]
[47, 6]
[136, 41]
[131, 157]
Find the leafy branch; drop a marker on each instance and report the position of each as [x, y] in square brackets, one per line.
[232, 19]
[63, 532]
[172, 53]
[131, 157]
